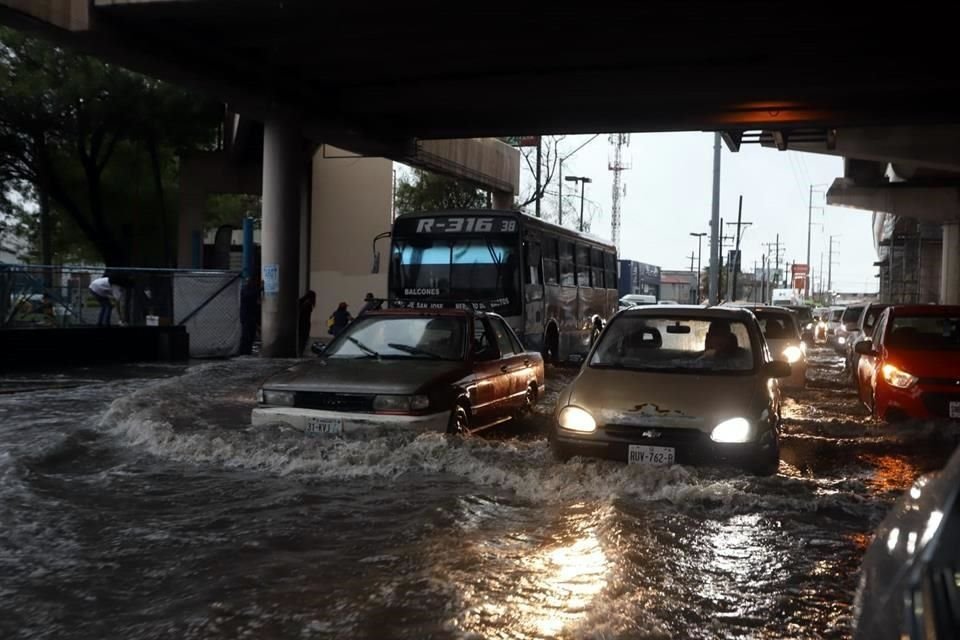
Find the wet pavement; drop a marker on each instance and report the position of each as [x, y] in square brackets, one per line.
[138, 503]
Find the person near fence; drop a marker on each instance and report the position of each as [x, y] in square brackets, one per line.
[369, 304]
[339, 319]
[107, 291]
[307, 302]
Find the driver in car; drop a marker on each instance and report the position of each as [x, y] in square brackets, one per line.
[721, 347]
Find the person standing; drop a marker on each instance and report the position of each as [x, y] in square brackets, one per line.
[369, 304]
[106, 293]
[307, 303]
[339, 319]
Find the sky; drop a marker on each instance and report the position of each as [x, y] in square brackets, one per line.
[669, 195]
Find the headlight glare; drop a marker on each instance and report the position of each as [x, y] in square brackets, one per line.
[577, 419]
[842, 340]
[897, 378]
[793, 354]
[733, 430]
[277, 398]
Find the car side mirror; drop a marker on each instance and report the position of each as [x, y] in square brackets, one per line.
[777, 369]
[865, 348]
[318, 348]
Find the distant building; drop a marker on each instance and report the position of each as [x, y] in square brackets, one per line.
[12, 248]
[678, 286]
[638, 277]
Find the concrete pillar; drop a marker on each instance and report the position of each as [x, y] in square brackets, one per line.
[280, 237]
[502, 200]
[193, 197]
[950, 264]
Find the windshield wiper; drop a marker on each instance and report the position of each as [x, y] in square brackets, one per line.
[370, 352]
[415, 350]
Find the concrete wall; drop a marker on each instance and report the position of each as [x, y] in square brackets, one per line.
[73, 15]
[351, 203]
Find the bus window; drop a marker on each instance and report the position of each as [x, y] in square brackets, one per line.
[532, 275]
[551, 270]
[583, 265]
[596, 268]
[567, 272]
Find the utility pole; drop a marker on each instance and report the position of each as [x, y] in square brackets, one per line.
[715, 231]
[809, 227]
[692, 257]
[539, 163]
[736, 267]
[763, 277]
[830, 270]
[699, 237]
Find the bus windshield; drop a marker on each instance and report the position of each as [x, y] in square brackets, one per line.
[462, 268]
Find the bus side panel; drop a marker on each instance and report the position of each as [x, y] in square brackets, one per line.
[593, 304]
[534, 317]
[561, 308]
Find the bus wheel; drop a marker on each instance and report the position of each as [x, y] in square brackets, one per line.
[551, 345]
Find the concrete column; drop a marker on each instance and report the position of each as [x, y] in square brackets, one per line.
[502, 200]
[193, 197]
[280, 238]
[950, 264]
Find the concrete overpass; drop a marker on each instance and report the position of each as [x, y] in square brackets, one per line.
[376, 82]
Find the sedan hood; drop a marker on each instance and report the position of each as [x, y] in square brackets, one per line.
[683, 401]
[403, 376]
[927, 364]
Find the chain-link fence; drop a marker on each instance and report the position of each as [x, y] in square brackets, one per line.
[206, 302]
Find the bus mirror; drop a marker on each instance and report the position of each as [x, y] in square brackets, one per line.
[376, 262]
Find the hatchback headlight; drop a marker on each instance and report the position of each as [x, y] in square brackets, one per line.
[842, 340]
[897, 378]
[793, 354]
[277, 398]
[400, 404]
[577, 419]
[733, 430]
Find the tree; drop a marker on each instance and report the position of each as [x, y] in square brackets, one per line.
[96, 147]
[425, 191]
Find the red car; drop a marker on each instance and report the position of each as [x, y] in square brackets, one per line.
[911, 368]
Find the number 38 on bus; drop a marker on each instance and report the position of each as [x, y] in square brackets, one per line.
[555, 286]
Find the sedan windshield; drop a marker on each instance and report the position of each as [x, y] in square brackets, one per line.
[777, 326]
[675, 344]
[925, 333]
[399, 337]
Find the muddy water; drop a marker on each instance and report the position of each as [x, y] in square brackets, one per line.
[139, 503]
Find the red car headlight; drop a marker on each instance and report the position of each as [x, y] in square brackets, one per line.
[898, 378]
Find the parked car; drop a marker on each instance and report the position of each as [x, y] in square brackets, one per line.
[909, 583]
[446, 370]
[911, 368]
[781, 330]
[848, 325]
[805, 319]
[680, 384]
[821, 318]
[864, 329]
[637, 299]
[833, 323]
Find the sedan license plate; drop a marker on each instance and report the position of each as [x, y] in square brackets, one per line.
[317, 426]
[955, 409]
[642, 454]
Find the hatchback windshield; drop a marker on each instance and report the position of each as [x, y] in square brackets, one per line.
[776, 326]
[852, 314]
[933, 333]
[397, 337]
[675, 344]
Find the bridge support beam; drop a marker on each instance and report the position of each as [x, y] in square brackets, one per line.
[283, 173]
[502, 200]
[950, 264]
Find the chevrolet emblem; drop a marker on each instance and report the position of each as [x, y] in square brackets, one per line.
[651, 433]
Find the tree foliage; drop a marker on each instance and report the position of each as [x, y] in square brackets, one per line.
[425, 191]
[99, 144]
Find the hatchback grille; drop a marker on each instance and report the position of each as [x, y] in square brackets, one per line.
[334, 401]
[653, 434]
[938, 404]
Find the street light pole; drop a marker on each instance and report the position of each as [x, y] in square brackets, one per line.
[583, 182]
[699, 237]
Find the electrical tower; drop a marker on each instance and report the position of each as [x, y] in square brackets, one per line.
[619, 141]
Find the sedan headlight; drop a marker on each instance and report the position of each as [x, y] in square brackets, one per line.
[577, 419]
[277, 398]
[732, 430]
[842, 340]
[793, 354]
[897, 378]
[400, 404]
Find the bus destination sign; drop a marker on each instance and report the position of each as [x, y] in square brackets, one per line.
[466, 224]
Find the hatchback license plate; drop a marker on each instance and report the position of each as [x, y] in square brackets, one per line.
[317, 426]
[955, 409]
[643, 454]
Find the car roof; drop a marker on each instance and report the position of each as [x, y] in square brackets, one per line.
[924, 309]
[691, 311]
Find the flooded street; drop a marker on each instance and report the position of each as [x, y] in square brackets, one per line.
[138, 503]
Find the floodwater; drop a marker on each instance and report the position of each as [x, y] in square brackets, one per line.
[137, 502]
